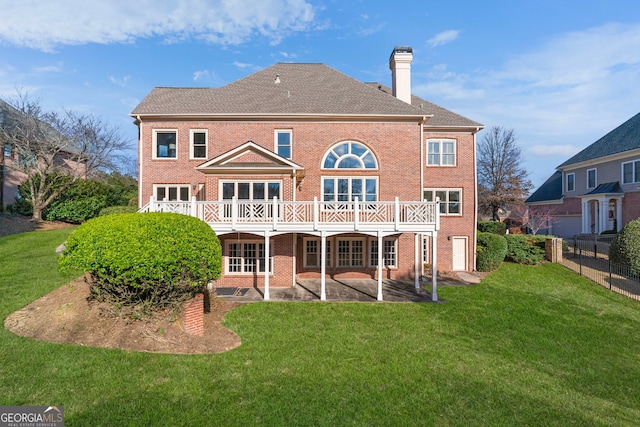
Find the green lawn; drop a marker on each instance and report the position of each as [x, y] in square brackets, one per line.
[528, 346]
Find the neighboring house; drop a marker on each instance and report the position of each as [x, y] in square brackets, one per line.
[13, 165]
[303, 171]
[598, 189]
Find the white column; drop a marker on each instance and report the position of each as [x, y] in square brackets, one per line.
[267, 251]
[294, 259]
[380, 258]
[619, 213]
[603, 208]
[434, 268]
[323, 265]
[418, 261]
[585, 216]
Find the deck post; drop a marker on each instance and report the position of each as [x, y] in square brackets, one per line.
[267, 252]
[380, 258]
[152, 208]
[194, 212]
[323, 265]
[434, 266]
[275, 213]
[418, 263]
[356, 214]
[234, 213]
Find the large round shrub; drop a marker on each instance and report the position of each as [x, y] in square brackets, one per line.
[495, 227]
[491, 250]
[153, 259]
[625, 249]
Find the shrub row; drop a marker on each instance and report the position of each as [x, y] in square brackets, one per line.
[491, 251]
[625, 248]
[494, 227]
[150, 260]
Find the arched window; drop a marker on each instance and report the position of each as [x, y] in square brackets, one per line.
[362, 186]
[349, 155]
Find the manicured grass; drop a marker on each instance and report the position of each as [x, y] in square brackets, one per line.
[528, 346]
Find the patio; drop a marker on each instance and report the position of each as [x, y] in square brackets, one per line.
[347, 290]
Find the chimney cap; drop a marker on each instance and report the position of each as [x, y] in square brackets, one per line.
[400, 49]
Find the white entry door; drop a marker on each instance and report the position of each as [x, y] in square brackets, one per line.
[460, 245]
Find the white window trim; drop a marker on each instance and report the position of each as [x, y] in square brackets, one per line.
[350, 177]
[448, 190]
[440, 142]
[166, 189]
[364, 168]
[192, 145]
[395, 252]
[228, 244]
[319, 246]
[595, 176]
[351, 265]
[251, 182]
[633, 171]
[567, 182]
[155, 144]
[275, 141]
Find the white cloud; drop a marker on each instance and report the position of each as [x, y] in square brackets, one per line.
[45, 25]
[443, 38]
[122, 82]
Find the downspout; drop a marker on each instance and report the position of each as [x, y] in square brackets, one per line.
[475, 186]
[140, 202]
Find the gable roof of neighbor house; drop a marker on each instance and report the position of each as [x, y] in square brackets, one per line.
[549, 191]
[293, 90]
[623, 138]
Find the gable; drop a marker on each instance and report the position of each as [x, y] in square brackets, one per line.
[250, 158]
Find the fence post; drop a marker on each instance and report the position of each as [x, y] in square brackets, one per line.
[580, 259]
[610, 275]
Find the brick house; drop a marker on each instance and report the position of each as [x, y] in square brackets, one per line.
[303, 171]
[598, 189]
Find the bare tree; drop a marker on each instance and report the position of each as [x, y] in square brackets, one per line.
[54, 149]
[502, 181]
[536, 217]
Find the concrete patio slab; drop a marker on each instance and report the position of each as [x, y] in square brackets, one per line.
[351, 290]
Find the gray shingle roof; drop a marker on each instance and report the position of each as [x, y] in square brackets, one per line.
[623, 138]
[549, 191]
[303, 89]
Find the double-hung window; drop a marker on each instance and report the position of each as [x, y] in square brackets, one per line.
[441, 152]
[7, 150]
[592, 179]
[344, 189]
[631, 172]
[313, 255]
[283, 143]
[173, 192]
[247, 257]
[389, 253]
[198, 143]
[450, 199]
[251, 191]
[165, 144]
[571, 181]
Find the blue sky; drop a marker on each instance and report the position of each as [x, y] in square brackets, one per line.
[561, 73]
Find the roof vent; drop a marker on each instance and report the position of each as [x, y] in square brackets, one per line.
[277, 80]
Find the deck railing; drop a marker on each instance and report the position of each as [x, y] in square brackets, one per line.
[238, 215]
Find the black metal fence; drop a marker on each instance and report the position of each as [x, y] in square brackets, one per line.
[588, 255]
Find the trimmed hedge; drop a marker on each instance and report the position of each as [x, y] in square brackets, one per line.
[525, 248]
[154, 260]
[625, 248]
[491, 251]
[494, 227]
[118, 210]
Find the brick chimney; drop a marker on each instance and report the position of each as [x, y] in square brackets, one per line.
[400, 65]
